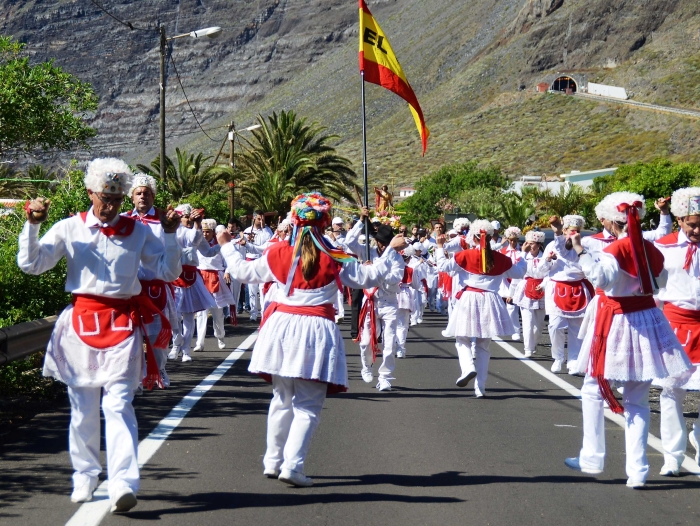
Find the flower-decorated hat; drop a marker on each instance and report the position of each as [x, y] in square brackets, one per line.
[141, 179]
[573, 221]
[511, 232]
[535, 236]
[209, 224]
[686, 202]
[108, 175]
[311, 210]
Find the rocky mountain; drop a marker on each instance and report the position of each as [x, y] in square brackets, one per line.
[472, 63]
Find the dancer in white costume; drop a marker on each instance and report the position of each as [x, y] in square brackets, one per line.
[420, 270]
[407, 302]
[212, 270]
[512, 250]
[528, 293]
[479, 312]
[380, 307]
[96, 348]
[258, 234]
[626, 340]
[567, 292]
[681, 297]
[300, 348]
[191, 295]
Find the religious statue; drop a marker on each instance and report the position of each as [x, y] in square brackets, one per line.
[383, 199]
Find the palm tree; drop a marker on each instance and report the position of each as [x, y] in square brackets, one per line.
[286, 157]
[10, 184]
[515, 209]
[189, 175]
[567, 201]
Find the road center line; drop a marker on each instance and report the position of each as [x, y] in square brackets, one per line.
[654, 442]
[91, 513]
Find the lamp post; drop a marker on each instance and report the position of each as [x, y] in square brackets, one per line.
[232, 159]
[210, 32]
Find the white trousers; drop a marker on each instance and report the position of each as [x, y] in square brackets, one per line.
[636, 403]
[476, 358]
[557, 327]
[121, 436]
[533, 323]
[673, 430]
[403, 321]
[514, 314]
[217, 316]
[254, 299]
[183, 338]
[339, 305]
[386, 314]
[295, 412]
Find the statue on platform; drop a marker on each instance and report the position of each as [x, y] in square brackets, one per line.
[384, 201]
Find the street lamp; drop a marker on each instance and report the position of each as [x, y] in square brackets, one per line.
[232, 159]
[211, 32]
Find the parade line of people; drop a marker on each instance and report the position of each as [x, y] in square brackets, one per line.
[623, 310]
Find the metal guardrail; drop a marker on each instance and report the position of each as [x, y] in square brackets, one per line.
[23, 339]
[643, 105]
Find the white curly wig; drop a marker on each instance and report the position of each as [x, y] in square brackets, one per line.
[460, 223]
[409, 251]
[535, 236]
[610, 203]
[184, 209]
[482, 224]
[418, 246]
[219, 229]
[141, 179]
[209, 224]
[108, 175]
[573, 221]
[686, 202]
[512, 231]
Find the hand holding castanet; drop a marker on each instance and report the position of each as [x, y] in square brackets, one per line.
[37, 210]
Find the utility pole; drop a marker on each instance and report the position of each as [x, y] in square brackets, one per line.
[232, 164]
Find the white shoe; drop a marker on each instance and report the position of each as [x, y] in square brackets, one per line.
[464, 380]
[478, 395]
[400, 354]
[670, 469]
[84, 492]
[124, 501]
[198, 348]
[295, 478]
[221, 343]
[515, 336]
[164, 378]
[574, 372]
[253, 318]
[635, 484]
[186, 358]
[271, 473]
[528, 354]
[556, 366]
[575, 464]
[367, 375]
[694, 442]
[383, 385]
[172, 355]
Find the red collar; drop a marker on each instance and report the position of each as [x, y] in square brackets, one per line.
[123, 227]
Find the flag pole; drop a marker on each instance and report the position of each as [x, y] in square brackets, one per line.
[364, 165]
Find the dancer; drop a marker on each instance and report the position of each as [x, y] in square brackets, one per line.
[681, 297]
[258, 234]
[627, 339]
[407, 301]
[512, 250]
[479, 312]
[300, 348]
[96, 347]
[528, 293]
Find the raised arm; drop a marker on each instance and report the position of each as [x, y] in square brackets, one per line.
[163, 260]
[256, 271]
[36, 256]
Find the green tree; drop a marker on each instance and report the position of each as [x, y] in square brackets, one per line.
[515, 209]
[285, 157]
[41, 106]
[190, 175]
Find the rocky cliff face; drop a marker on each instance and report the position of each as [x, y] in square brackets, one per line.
[463, 59]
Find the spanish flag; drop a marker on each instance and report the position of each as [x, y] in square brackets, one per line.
[380, 66]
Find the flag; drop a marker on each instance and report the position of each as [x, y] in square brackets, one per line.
[380, 66]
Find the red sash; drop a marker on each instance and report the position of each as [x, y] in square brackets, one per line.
[157, 292]
[531, 291]
[325, 310]
[211, 280]
[445, 284]
[468, 289]
[187, 277]
[113, 321]
[608, 307]
[570, 296]
[369, 310]
[686, 324]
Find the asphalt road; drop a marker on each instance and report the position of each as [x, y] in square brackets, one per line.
[427, 452]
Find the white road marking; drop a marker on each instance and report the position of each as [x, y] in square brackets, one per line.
[91, 513]
[654, 442]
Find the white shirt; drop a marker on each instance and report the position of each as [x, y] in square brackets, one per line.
[98, 264]
[567, 266]
[262, 236]
[683, 287]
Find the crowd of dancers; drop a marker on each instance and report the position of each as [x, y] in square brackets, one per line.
[149, 277]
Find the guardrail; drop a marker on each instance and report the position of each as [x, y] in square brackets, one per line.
[642, 105]
[23, 339]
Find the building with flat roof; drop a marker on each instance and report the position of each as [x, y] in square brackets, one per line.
[585, 179]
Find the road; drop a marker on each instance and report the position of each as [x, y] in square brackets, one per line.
[427, 452]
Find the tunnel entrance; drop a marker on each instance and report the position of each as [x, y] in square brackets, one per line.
[565, 84]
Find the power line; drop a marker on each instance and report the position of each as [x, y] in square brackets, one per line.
[188, 100]
[127, 24]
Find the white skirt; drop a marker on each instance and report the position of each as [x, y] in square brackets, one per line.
[522, 301]
[479, 315]
[641, 347]
[306, 347]
[223, 296]
[194, 298]
[76, 364]
[407, 298]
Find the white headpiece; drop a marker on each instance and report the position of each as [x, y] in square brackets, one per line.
[208, 224]
[460, 223]
[535, 236]
[686, 202]
[601, 211]
[108, 175]
[482, 224]
[219, 229]
[512, 231]
[284, 224]
[141, 179]
[496, 225]
[409, 251]
[183, 209]
[337, 221]
[610, 203]
[452, 233]
[573, 221]
[418, 246]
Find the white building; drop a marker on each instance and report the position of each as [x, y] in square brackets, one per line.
[584, 179]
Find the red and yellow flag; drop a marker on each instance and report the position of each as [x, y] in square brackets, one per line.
[380, 66]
